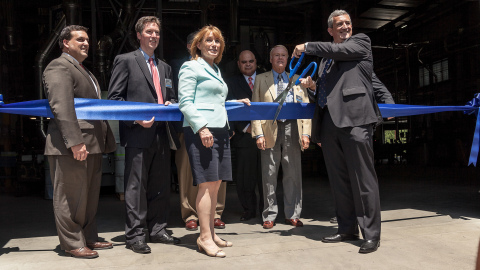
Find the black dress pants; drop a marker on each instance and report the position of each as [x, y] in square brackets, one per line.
[147, 188]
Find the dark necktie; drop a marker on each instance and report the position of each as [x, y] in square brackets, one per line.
[280, 88]
[322, 93]
[280, 85]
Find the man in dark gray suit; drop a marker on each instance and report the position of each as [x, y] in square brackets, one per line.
[140, 76]
[247, 154]
[344, 120]
[74, 147]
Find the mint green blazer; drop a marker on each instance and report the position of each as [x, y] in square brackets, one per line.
[202, 94]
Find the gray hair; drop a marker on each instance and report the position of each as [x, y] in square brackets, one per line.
[336, 13]
[278, 46]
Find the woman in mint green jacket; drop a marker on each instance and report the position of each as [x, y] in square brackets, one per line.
[202, 94]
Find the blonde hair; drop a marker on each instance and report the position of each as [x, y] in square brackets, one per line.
[200, 36]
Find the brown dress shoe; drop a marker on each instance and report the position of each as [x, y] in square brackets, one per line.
[191, 225]
[218, 224]
[83, 253]
[268, 224]
[99, 245]
[294, 222]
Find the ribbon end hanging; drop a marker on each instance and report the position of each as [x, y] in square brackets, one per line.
[475, 142]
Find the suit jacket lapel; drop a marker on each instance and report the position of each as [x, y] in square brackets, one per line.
[210, 70]
[146, 72]
[98, 86]
[90, 78]
[244, 86]
[84, 72]
[271, 85]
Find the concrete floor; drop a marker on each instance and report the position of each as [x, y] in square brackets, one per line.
[430, 220]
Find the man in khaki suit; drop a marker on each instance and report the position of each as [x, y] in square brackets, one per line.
[74, 147]
[281, 142]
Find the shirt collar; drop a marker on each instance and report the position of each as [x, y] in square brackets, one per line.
[73, 58]
[146, 56]
[275, 76]
[253, 76]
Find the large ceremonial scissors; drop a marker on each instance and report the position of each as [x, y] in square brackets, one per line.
[281, 98]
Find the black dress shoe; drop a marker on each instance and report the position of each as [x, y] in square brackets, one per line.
[336, 238]
[369, 246]
[164, 239]
[139, 247]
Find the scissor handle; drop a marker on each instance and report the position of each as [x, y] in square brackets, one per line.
[297, 65]
[297, 82]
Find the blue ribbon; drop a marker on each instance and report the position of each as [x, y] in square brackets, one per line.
[475, 102]
[97, 109]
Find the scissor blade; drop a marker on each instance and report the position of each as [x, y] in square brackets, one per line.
[284, 93]
[280, 105]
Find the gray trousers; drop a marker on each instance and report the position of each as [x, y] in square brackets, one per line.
[287, 152]
[348, 156]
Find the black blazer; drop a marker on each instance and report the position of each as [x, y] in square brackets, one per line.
[132, 81]
[238, 89]
[349, 83]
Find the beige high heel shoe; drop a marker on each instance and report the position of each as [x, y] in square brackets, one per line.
[218, 253]
[224, 243]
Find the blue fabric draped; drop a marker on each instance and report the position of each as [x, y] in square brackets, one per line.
[96, 109]
[475, 103]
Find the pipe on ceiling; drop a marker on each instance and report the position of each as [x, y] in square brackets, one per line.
[72, 10]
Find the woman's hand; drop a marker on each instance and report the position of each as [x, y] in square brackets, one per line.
[308, 83]
[245, 100]
[206, 137]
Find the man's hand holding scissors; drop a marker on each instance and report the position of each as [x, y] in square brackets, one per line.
[299, 49]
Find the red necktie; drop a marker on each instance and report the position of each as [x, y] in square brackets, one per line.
[250, 79]
[156, 81]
